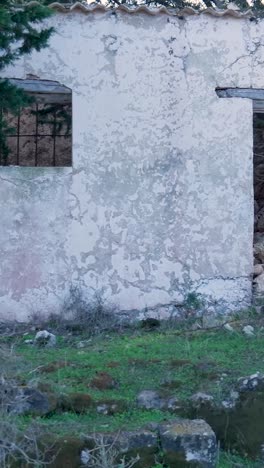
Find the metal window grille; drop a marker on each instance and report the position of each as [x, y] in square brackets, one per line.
[40, 142]
[41, 134]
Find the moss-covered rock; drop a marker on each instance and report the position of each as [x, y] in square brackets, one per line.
[238, 420]
[33, 402]
[188, 443]
[128, 445]
[111, 407]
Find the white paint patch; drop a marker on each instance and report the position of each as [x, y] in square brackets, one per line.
[159, 202]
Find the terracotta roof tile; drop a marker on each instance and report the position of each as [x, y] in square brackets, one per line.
[187, 11]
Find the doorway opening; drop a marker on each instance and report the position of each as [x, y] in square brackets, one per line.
[257, 97]
[258, 164]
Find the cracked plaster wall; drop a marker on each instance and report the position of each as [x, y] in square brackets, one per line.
[159, 201]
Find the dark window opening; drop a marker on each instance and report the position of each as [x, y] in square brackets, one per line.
[41, 133]
[258, 130]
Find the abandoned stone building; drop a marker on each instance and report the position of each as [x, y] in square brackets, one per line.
[131, 173]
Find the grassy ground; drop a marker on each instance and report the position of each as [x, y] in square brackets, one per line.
[174, 362]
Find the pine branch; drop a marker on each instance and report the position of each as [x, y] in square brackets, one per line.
[20, 34]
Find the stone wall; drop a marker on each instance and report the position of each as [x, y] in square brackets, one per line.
[159, 201]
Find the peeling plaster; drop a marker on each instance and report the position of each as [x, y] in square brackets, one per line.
[159, 201]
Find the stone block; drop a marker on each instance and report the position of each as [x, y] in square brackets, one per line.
[128, 445]
[188, 443]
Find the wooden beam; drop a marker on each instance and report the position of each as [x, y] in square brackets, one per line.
[247, 93]
[41, 86]
[52, 98]
[258, 106]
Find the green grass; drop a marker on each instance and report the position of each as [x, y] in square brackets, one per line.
[144, 360]
[227, 460]
[138, 361]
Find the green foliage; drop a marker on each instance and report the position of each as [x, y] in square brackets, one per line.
[194, 301]
[20, 34]
[57, 116]
[19, 29]
[11, 99]
[229, 460]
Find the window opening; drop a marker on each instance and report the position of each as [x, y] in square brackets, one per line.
[41, 133]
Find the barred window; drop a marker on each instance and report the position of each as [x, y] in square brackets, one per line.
[41, 134]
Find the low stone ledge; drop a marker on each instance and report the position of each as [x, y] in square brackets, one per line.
[181, 443]
[128, 444]
[178, 444]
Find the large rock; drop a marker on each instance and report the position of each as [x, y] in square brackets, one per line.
[111, 407]
[31, 401]
[183, 443]
[257, 270]
[253, 382]
[259, 284]
[151, 400]
[238, 419]
[259, 247]
[45, 339]
[128, 445]
[248, 330]
[188, 443]
[199, 399]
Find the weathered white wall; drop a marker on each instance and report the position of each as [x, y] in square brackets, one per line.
[159, 201]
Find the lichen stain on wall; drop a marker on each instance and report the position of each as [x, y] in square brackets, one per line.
[159, 201]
